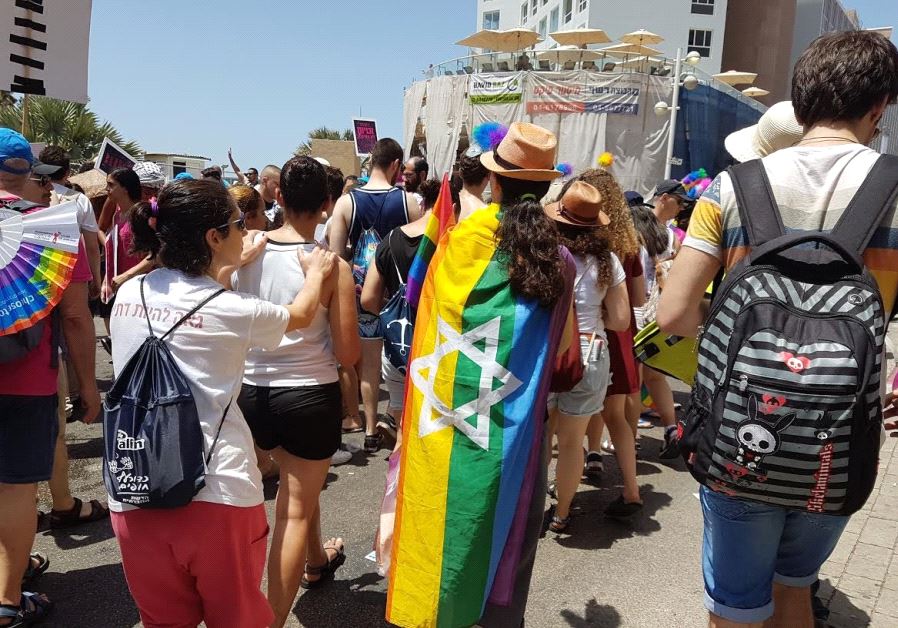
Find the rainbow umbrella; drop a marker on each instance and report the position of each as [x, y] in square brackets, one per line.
[38, 251]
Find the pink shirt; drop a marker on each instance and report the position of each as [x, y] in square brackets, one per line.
[124, 261]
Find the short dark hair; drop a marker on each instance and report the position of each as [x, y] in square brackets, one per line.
[842, 76]
[429, 191]
[386, 151]
[253, 170]
[472, 171]
[303, 185]
[185, 211]
[56, 156]
[334, 182]
[419, 164]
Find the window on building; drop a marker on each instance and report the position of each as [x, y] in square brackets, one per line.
[568, 10]
[524, 13]
[581, 5]
[553, 20]
[542, 28]
[491, 20]
[703, 7]
[177, 167]
[534, 6]
[700, 41]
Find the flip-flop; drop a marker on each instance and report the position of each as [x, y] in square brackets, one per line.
[352, 430]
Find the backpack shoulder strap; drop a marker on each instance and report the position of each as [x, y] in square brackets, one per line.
[758, 211]
[23, 206]
[393, 256]
[189, 314]
[878, 193]
[143, 302]
[218, 432]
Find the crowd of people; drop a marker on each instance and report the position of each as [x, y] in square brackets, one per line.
[295, 288]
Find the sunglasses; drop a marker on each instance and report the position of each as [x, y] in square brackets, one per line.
[41, 179]
[240, 223]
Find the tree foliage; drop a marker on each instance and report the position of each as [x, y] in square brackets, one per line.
[70, 125]
[323, 133]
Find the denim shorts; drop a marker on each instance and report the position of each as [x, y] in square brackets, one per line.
[588, 396]
[28, 429]
[748, 546]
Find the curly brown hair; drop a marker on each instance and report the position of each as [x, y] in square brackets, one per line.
[622, 236]
[588, 242]
[528, 242]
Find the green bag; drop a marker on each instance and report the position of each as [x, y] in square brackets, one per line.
[675, 356]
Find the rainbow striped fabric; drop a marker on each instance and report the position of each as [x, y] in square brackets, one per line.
[32, 284]
[475, 404]
[441, 220]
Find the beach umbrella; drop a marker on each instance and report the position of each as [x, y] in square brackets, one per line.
[629, 50]
[568, 54]
[38, 251]
[642, 37]
[581, 37]
[735, 77]
[510, 40]
[640, 61]
[755, 92]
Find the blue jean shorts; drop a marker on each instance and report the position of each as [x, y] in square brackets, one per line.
[588, 396]
[748, 546]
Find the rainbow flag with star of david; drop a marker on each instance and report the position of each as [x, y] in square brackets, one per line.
[475, 406]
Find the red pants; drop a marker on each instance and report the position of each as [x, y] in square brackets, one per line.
[202, 562]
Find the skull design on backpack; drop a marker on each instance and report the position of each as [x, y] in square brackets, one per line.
[758, 438]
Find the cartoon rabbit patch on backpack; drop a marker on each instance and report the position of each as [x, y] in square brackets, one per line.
[756, 439]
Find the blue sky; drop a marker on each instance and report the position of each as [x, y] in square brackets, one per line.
[198, 76]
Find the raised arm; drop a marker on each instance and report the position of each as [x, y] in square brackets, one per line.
[241, 178]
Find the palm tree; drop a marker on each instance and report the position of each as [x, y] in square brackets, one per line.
[323, 133]
[70, 125]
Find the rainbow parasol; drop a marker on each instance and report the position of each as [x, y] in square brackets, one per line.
[38, 251]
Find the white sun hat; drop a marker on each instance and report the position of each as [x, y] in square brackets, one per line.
[777, 129]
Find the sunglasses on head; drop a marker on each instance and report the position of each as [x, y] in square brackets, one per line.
[240, 223]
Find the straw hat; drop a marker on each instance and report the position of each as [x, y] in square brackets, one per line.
[579, 207]
[777, 129]
[93, 182]
[527, 152]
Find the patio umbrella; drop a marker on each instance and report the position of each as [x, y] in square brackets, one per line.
[581, 37]
[510, 40]
[755, 92]
[629, 50]
[735, 77]
[568, 54]
[642, 37]
[640, 61]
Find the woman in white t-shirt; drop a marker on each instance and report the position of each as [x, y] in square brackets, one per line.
[600, 301]
[291, 393]
[204, 561]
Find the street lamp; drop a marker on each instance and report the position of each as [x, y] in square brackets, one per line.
[690, 82]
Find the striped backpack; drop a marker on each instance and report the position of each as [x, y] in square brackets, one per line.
[785, 407]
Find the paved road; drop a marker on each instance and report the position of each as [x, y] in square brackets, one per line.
[603, 574]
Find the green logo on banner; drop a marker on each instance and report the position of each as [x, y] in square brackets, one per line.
[495, 99]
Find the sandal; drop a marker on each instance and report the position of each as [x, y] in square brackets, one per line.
[34, 607]
[621, 510]
[325, 571]
[355, 424]
[374, 443]
[559, 524]
[37, 565]
[68, 518]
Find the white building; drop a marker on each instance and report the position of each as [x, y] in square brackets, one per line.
[687, 24]
[173, 164]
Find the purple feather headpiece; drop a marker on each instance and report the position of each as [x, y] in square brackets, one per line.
[488, 135]
[565, 169]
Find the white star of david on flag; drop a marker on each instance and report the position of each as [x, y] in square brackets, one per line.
[450, 341]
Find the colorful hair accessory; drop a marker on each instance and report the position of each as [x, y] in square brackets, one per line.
[154, 207]
[488, 135]
[606, 159]
[696, 182]
[565, 169]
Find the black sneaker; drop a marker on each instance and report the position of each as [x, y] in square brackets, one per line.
[386, 427]
[373, 443]
[671, 449]
[619, 509]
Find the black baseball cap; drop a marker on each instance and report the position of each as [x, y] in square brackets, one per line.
[674, 188]
[634, 199]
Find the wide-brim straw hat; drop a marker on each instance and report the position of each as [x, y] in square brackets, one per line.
[93, 182]
[777, 129]
[527, 152]
[581, 206]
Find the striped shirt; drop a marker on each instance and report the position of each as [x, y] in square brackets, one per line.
[812, 186]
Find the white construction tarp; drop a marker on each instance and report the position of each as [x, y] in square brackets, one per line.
[443, 119]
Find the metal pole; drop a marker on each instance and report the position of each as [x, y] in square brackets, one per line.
[25, 115]
[674, 107]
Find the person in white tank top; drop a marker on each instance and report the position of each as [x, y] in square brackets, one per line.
[291, 395]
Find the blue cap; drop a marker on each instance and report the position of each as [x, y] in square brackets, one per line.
[634, 199]
[13, 145]
[183, 176]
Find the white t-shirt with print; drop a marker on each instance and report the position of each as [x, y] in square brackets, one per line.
[210, 349]
[589, 295]
[87, 221]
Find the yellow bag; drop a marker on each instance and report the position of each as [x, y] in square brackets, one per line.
[675, 356]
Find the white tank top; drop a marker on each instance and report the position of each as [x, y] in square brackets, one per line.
[305, 357]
